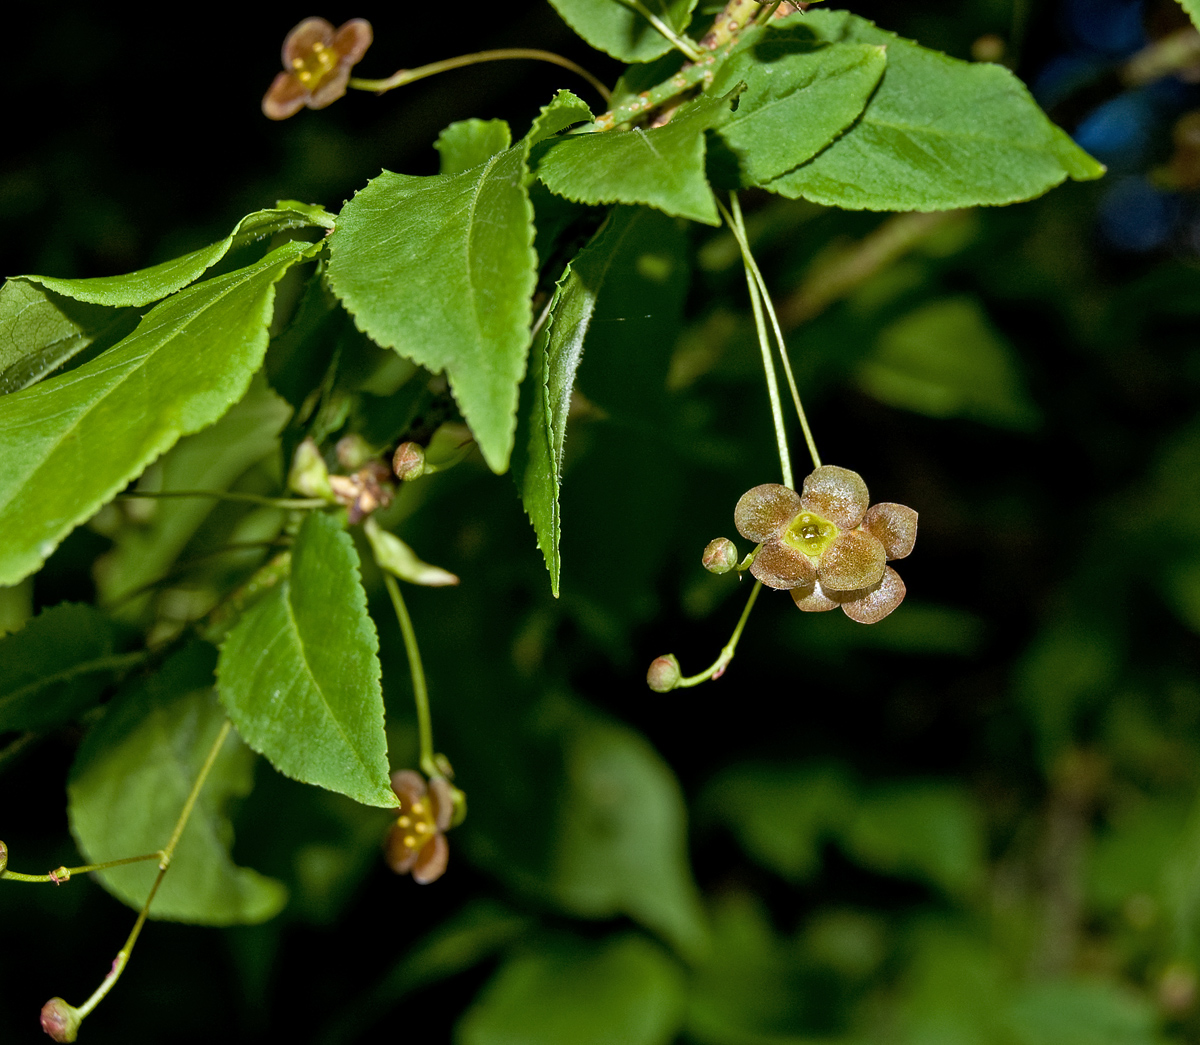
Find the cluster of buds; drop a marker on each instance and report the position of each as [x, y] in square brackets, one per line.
[827, 545]
[361, 492]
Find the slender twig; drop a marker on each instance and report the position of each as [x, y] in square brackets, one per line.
[406, 76]
[64, 874]
[11, 751]
[225, 495]
[748, 258]
[718, 666]
[164, 862]
[679, 42]
[420, 690]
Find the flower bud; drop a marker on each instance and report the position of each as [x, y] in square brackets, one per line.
[720, 556]
[3, 857]
[60, 1020]
[664, 674]
[353, 452]
[409, 461]
[308, 476]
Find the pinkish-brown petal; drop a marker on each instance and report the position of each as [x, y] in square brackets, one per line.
[352, 40]
[811, 599]
[855, 560]
[431, 864]
[441, 796]
[762, 513]
[837, 494]
[298, 44]
[331, 88]
[779, 565]
[400, 857]
[409, 786]
[895, 525]
[872, 606]
[285, 97]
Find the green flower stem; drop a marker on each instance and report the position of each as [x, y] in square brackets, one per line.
[407, 76]
[164, 862]
[64, 874]
[718, 666]
[11, 751]
[785, 459]
[680, 43]
[738, 226]
[767, 11]
[429, 764]
[225, 495]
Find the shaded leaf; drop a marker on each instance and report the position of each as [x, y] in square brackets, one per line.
[662, 167]
[69, 444]
[801, 93]
[55, 666]
[614, 27]
[946, 360]
[469, 143]
[130, 780]
[623, 989]
[209, 460]
[939, 133]
[300, 676]
[1082, 1012]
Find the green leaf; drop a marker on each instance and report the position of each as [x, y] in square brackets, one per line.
[621, 837]
[300, 676]
[469, 143]
[209, 460]
[628, 264]
[441, 269]
[69, 444]
[928, 831]
[614, 27]
[662, 167]
[782, 815]
[946, 359]
[130, 780]
[46, 321]
[55, 667]
[800, 95]
[623, 989]
[1082, 1012]
[1192, 7]
[939, 133]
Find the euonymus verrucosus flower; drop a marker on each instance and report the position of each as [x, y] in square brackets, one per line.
[417, 842]
[826, 546]
[317, 60]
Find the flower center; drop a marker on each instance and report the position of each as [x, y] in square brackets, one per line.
[417, 823]
[312, 68]
[810, 534]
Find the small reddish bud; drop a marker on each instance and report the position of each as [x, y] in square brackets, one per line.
[3, 857]
[664, 674]
[60, 1020]
[720, 556]
[409, 461]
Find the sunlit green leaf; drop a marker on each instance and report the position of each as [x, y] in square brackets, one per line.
[300, 676]
[623, 989]
[469, 143]
[801, 93]
[69, 444]
[939, 133]
[1192, 7]
[613, 26]
[55, 666]
[662, 167]
[946, 360]
[130, 780]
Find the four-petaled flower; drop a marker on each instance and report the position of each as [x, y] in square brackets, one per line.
[417, 842]
[318, 62]
[825, 546]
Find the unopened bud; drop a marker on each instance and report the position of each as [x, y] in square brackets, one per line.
[409, 461]
[458, 804]
[3, 857]
[664, 674]
[308, 475]
[60, 1020]
[353, 452]
[720, 556]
